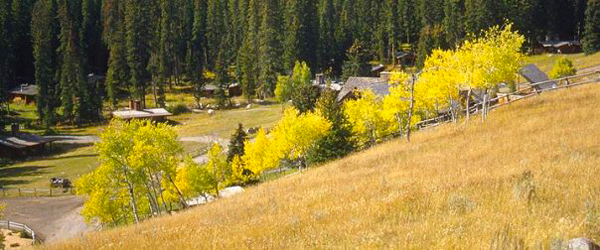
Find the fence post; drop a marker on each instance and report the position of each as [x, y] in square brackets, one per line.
[34, 192]
[19, 192]
[50, 192]
[3, 192]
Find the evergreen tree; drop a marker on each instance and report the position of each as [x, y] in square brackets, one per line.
[117, 75]
[357, 63]
[91, 36]
[453, 22]
[269, 48]
[45, 30]
[79, 97]
[166, 48]
[338, 142]
[196, 50]
[327, 19]
[591, 42]
[236, 144]
[138, 37]
[5, 49]
[21, 35]
[248, 54]
[430, 38]
[301, 33]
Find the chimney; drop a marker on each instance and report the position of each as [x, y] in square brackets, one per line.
[385, 76]
[14, 128]
[320, 79]
[137, 105]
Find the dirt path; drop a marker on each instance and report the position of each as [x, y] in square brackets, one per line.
[53, 219]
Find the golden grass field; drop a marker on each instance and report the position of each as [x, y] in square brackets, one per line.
[456, 186]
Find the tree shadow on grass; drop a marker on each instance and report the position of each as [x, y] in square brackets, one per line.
[22, 171]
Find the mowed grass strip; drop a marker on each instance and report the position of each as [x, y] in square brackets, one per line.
[527, 175]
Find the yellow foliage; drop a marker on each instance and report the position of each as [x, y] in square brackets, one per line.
[261, 154]
[368, 118]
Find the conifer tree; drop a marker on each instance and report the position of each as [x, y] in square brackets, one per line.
[196, 49]
[44, 30]
[327, 20]
[591, 42]
[248, 54]
[269, 48]
[338, 142]
[166, 48]
[114, 37]
[453, 22]
[236, 144]
[301, 33]
[21, 35]
[138, 37]
[357, 63]
[5, 51]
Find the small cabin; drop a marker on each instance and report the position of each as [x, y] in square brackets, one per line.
[23, 93]
[16, 144]
[135, 111]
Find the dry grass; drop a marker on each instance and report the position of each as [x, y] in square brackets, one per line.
[528, 176]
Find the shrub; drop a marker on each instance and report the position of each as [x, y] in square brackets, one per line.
[563, 68]
[178, 109]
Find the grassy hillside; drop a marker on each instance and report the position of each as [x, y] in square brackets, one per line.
[580, 60]
[529, 174]
[457, 185]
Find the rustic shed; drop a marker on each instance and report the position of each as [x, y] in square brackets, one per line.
[15, 144]
[24, 92]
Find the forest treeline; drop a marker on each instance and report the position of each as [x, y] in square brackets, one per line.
[143, 45]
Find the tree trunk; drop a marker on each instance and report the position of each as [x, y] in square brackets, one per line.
[469, 105]
[181, 198]
[412, 106]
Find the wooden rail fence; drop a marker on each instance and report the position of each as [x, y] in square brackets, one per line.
[35, 192]
[15, 226]
[521, 94]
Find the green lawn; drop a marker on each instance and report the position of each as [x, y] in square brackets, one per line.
[223, 123]
[71, 161]
[580, 60]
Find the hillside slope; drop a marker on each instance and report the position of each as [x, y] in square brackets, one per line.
[454, 186]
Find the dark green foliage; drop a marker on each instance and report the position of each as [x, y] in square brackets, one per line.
[196, 50]
[453, 22]
[236, 144]
[304, 97]
[45, 29]
[117, 76]
[6, 50]
[145, 45]
[357, 63]
[338, 143]
[301, 32]
[270, 48]
[431, 38]
[591, 42]
[137, 40]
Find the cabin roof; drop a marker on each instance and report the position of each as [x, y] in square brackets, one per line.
[22, 140]
[138, 114]
[25, 89]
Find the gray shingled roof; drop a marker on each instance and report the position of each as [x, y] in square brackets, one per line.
[25, 90]
[22, 140]
[375, 84]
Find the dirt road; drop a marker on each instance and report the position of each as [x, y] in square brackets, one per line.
[53, 219]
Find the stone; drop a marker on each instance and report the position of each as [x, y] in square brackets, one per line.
[582, 244]
[249, 106]
[211, 112]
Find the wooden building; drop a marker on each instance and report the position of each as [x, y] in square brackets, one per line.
[23, 93]
[354, 85]
[135, 111]
[17, 145]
